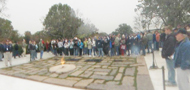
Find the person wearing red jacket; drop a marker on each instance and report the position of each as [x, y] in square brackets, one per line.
[47, 46]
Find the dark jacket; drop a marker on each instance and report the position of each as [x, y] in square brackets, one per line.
[154, 37]
[1, 48]
[99, 44]
[31, 47]
[75, 43]
[162, 37]
[169, 46]
[182, 57]
[143, 41]
[16, 47]
[8, 48]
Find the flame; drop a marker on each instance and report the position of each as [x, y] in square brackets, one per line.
[62, 61]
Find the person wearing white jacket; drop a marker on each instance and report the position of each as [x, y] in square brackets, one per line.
[60, 46]
[94, 47]
[89, 43]
[66, 46]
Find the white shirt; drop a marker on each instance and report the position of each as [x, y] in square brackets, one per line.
[60, 44]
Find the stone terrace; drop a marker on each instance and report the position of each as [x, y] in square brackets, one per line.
[112, 73]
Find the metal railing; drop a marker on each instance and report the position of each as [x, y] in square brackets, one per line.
[163, 76]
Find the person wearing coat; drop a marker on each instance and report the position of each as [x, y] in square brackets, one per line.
[80, 45]
[8, 53]
[24, 45]
[182, 60]
[41, 48]
[167, 53]
[89, 43]
[66, 46]
[99, 45]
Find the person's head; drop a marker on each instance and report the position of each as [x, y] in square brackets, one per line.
[66, 40]
[123, 36]
[181, 34]
[30, 42]
[7, 42]
[89, 39]
[188, 27]
[168, 30]
[163, 31]
[175, 30]
[10, 42]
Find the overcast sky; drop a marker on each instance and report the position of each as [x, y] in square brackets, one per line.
[106, 15]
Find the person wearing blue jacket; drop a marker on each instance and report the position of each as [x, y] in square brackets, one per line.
[182, 60]
[80, 45]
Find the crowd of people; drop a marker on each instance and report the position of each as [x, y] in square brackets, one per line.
[175, 46]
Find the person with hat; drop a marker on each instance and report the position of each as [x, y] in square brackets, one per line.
[167, 53]
[182, 59]
[8, 53]
[175, 30]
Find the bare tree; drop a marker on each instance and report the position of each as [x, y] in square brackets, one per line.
[2, 5]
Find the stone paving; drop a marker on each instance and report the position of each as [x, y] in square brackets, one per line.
[112, 73]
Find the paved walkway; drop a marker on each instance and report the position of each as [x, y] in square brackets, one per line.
[12, 83]
[156, 75]
[104, 73]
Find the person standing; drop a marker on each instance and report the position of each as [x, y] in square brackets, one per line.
[80, 45]
[99, 45]
[41, 48]
[24, 45]
[162, 38]
[154, 40]
[89, 47]
[1, 51]
[32, 48]
[76, 47]
[8, 53]
[167, 53]
[112, 45]
[117, 44]
[66, 47]
[128, 44]
[182, 59]
[149, 37]
[60, 47]
[143, 42]
[71, 47]
[157, 40]
[16, 48]
[47, 46]
[123, 45]
[36, 49]
[94, 46]
[85, 49]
